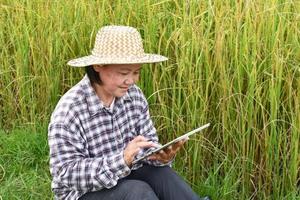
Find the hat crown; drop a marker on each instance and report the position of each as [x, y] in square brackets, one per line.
[118, 41]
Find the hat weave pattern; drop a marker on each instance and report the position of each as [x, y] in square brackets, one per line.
[117, 45]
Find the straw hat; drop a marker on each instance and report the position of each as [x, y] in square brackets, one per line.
[117, 45]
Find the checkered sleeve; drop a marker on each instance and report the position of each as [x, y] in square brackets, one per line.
[71, 166]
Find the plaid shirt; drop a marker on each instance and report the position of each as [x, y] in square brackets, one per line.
[87, 140]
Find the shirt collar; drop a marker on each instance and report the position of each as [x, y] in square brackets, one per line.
[126, 97]
[93, 102]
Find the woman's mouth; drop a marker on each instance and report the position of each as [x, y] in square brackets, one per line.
[124, 88]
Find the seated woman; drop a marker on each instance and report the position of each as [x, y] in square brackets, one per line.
[102, 124]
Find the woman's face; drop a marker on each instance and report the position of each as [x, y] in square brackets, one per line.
[117, 78]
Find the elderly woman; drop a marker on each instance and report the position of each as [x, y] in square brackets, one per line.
[102, 124]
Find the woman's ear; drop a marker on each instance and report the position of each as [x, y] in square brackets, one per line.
[97, 67]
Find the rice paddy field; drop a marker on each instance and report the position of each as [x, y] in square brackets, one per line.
[235, 64]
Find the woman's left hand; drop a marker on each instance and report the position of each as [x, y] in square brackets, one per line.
[167, 154]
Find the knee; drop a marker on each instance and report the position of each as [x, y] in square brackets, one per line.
[139, 190]
[158, 172]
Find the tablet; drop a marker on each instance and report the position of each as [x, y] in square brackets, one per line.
[185, 136]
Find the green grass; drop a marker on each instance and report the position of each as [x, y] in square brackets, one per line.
[232, 63]
[24, 168]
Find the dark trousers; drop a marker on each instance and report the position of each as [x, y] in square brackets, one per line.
[147, 183]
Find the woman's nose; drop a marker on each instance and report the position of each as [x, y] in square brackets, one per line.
[129, 81]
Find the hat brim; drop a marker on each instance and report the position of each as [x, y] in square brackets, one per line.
[105, 60]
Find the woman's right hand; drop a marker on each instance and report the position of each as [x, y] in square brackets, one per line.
[134, 146]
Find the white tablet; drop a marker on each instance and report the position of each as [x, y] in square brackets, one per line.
[185, 136]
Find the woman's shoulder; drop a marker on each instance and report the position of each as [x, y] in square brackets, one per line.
[69, 102]
[135, 92]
